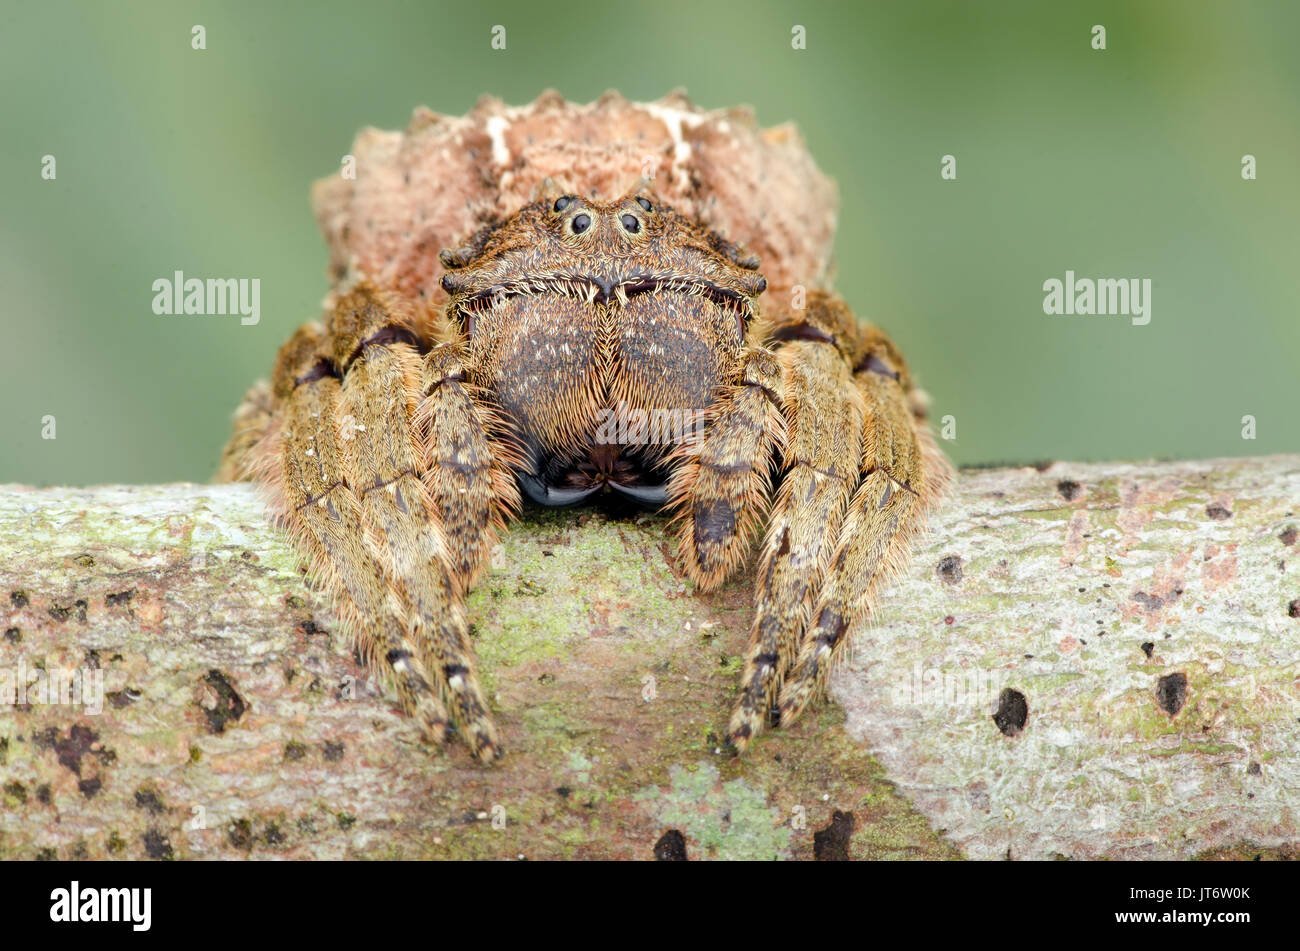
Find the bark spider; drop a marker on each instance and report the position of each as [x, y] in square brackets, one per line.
[400, 437]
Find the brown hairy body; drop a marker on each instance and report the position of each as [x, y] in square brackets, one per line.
[481, 347]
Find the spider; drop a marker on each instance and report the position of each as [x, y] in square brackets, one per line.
[585, 274]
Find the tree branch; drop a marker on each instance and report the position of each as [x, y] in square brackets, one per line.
[1083, 660]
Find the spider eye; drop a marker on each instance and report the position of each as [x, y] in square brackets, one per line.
[630, 223]
[581, 223]
[645, 204]
[562, 203]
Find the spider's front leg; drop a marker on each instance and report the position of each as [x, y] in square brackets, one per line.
[300, 460]
[858, 474]
[902, 474]
[420, 459]
[722, 487]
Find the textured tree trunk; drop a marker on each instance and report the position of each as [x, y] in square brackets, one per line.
[1083, 660]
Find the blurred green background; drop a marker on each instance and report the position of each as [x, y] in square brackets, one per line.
[1122, 163]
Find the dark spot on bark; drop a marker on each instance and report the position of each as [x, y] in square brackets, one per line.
[1150, 602]
[92, 659]
[123, 698]
[1293, 609]
[1217, 512]
[273, 835]
[46, 855]
[229, 706]
[43, 794]
[294, 751]
[949, 569]
[79, 850]
[117, 599]
[62, 612]
[346, 820]
[1171, 692]
[832, 843]
[563, 791]
[79, 742]
[240, 834]
[1012, 713]
[310, 628]
[671, 847]
[156, 846]
[1289, 535]
[90, 787]
[333, 751]
[714, 522]
[115, 843]
[148, 800]
[1069, 489]
[17, 791]
[85, 560]
[13, 635]
[1253, 769]
[19, 599]
[1043, 464]
[306, 825]
[1148, 647]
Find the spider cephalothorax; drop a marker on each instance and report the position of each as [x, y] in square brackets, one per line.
[397, 438]
[579, 312]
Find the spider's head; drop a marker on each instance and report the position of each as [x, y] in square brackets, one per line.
[596, 254]
[574, 308]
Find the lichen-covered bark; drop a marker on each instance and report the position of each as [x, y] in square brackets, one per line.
[1085, 661]
[1144, 623]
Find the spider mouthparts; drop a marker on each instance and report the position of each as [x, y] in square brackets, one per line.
[654, 495]
[606, 468]
[544, 494]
